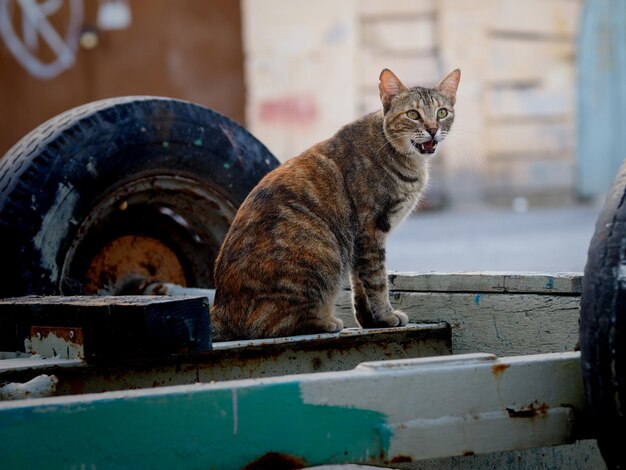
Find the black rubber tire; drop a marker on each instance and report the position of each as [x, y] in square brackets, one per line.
[51, 181]
[603, 325]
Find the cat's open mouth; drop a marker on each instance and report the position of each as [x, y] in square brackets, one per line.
[425, 147]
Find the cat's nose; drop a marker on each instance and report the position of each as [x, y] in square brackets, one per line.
[432, 131]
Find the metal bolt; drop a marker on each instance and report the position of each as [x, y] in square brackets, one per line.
[88, 39]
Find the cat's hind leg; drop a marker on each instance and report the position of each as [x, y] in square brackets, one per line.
[327, 322]
[326, 325]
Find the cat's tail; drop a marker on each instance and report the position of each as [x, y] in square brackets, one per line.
[219, 331]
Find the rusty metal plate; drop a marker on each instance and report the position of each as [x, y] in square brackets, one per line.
[57, 342]
[251, 359]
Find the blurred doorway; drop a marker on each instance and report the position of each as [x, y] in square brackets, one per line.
[189, 50]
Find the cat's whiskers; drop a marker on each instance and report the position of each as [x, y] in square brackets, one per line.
[465, 146]
[389, 141]
[403, 138]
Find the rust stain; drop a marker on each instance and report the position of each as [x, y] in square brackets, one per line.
[316, 363]
[276, 461]
[401, 459]
[67, 334]
[498, 369]
[534, 410]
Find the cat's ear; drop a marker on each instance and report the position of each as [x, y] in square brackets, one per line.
[389, 87]
[448, 86]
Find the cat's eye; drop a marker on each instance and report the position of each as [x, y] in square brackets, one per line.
[412, 114]
[442, 113]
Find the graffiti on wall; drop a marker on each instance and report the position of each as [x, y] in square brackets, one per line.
[27, 30]
[35, 27]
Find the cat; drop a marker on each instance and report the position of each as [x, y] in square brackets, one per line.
[328, 212]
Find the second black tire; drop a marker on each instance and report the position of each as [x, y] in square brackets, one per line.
[603, 326]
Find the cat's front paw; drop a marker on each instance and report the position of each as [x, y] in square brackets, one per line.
[333, 325]
[395, 318]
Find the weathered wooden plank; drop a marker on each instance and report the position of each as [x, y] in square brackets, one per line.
[463, 43]
[484, 281]
[544, 18]
[112, 327]
[413, 69]
[399, 35]
[489, 322]
[515, 60]
[525, 102]
[376, 8]
[279, 27]
[534, 136]
[383, 413]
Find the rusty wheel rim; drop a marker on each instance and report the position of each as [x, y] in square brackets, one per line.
[156, 228]
[125, 257]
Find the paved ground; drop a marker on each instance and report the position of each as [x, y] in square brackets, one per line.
[554, 239]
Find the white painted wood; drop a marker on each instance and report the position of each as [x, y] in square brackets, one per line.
[485, 281]
[508, 403]
[524, 103]
[294, 28]
[551, 18]
[498, 323]
[488, 322]
[40, 386]
[533, 136]
[377, 8]
[521, 60]
[422, 70]
[399, 35]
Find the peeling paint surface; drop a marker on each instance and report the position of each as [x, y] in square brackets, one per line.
[378, 413]
[188, 427]
[54, 227]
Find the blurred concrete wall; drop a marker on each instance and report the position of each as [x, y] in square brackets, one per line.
[311, 67]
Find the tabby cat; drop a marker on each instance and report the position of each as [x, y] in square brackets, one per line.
[328, 212]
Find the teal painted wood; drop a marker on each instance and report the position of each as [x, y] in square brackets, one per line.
[601, 96]
[221, 427]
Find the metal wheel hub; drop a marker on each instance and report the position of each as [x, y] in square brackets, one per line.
[157, 228]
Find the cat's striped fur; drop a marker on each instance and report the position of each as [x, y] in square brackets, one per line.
[326, 213]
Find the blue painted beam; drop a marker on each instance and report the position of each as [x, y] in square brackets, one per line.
[601, 96]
